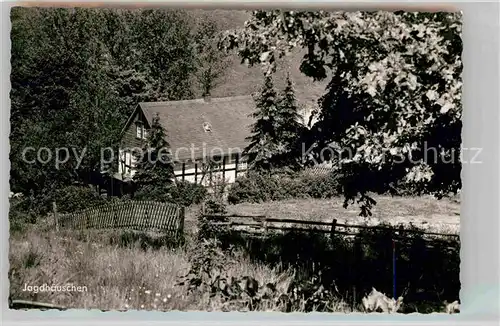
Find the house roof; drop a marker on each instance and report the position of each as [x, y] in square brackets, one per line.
[199, 128]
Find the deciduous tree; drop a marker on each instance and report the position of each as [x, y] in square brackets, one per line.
[394, 91]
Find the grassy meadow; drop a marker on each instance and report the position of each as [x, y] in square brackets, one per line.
[118, 276]
[424, 212]
[123, 270]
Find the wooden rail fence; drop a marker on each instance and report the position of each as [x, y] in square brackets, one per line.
[260, 223]
[142, 215]
[402, 236]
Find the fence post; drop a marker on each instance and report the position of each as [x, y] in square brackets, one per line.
[402, 231]
[224, 168]
[354, 270]
[394, 269]
[236, 166]
[56, 221]
[332, 230]
[150, 213]
[180, 228]
[115, 215]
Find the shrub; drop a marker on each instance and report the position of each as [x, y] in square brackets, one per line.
[326, 268]
[159, 194]
[323, 186]
[186, 193]
[20, 214]
[215, 204]
[210, 271]
[255, 187]
[74, 198]
[182, 193]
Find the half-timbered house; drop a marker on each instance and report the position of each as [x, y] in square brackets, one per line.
[199, 132]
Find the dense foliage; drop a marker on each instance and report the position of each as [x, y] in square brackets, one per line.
[186, 193]
[393, 103]
[78, 73]
[75, 197]
[323, 269]
[261, 187]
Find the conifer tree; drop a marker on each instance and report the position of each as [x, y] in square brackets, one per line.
[155, 170]
[263, 141]
[289, 129]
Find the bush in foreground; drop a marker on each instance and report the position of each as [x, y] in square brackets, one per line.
[427, 271]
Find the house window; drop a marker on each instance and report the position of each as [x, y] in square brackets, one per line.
[139, 131]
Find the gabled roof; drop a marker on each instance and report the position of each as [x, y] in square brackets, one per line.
[186, 122]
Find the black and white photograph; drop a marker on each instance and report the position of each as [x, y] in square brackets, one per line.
[292, 161]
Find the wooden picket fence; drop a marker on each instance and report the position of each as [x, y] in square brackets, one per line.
[142, 215]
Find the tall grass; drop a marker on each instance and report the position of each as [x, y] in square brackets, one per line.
[118, 274]
[128, 270]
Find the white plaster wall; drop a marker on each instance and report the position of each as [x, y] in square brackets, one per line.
[216, 175]
[125, 156]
